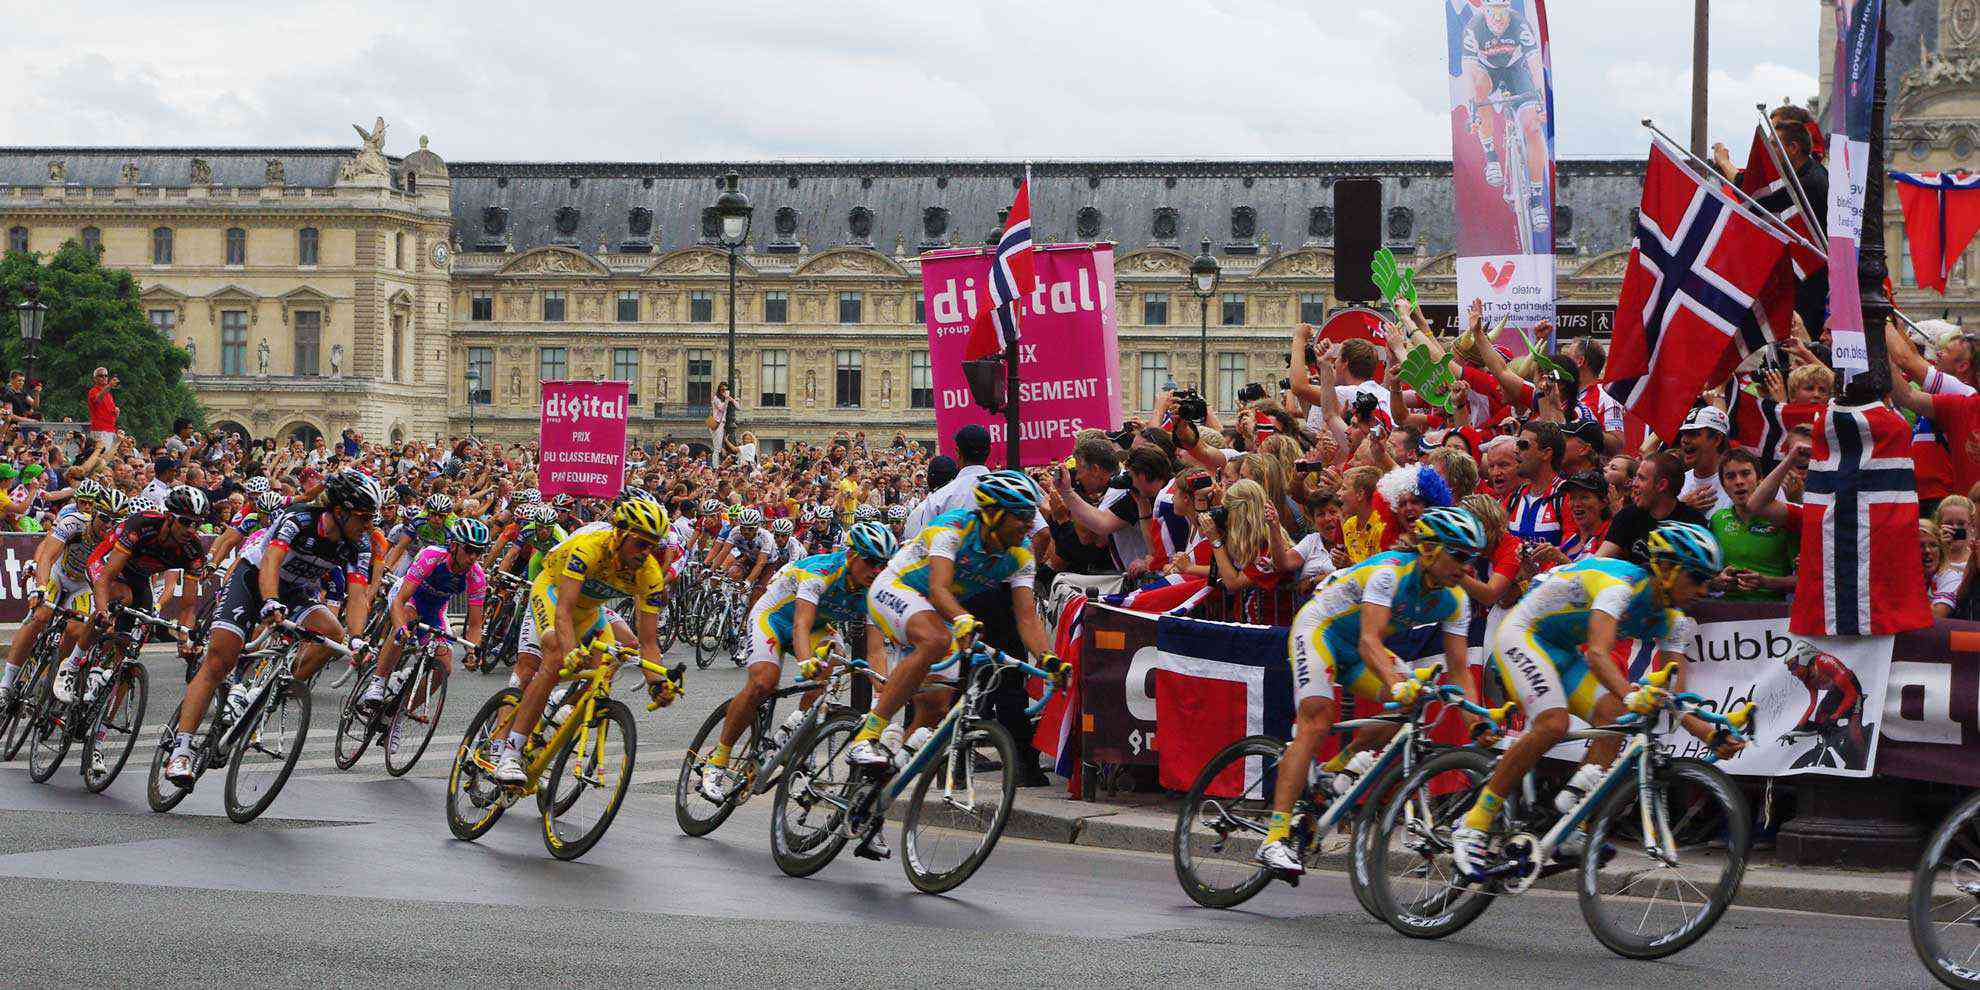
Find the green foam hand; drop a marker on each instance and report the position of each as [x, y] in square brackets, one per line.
[1544, 363]
[1394, 280]
[1430, 377]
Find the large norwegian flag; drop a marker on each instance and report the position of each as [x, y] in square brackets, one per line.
[1761, 425]
[1012, 276]
[1941, 215]
[1218, 682]
[1685, 318]
[1762, 181]
[1860, 570]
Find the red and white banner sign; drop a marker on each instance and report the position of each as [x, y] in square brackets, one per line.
[1067, 358]
[584, 439]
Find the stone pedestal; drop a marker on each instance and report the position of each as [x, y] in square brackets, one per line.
[1865, 824]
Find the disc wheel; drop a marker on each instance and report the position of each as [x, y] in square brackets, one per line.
[1406, 857]
[119, 720]
[1639, 905]
[818, 787]
[587, 781]
[956, 814]
[1222, 820]
[265, 752]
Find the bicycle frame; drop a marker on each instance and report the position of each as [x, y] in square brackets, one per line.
[981, 681]
[594, 685]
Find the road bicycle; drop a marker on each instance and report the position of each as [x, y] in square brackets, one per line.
[1666, 838]
[1229, 808]
[720, 629]
[764, 752]
[30, 693]
[1943, 909]
[1516, 188]
[107, 713]
[508, 597]
[960, 796]
[590, 749]
[256, 730]
[415, 694]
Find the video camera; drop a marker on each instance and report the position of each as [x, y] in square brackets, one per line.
[1189, 405]
[1251, 392]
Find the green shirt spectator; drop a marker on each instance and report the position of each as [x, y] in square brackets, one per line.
[1759, 554]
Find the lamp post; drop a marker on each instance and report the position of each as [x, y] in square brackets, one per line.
[733, 209]
[1203, 274]
[32, 311]
[473, 386]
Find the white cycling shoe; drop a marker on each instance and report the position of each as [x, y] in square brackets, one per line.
[1470, 848]
[97, 767]
[178, 770]
[717, 783]
[1495, 174]
[869, 753]
[508, 769]
[65, 680]
[1278, 856]
[373, 696]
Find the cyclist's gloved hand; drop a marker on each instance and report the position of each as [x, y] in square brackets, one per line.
[1404, 692]
[809, 670]
[272, 609]
[1050, 663]
[664, 691]
[1645, 699]
[963, 628]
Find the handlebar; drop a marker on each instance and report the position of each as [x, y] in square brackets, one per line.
[1453, 695]
[421, 627]
[999, 660]
[153, 620]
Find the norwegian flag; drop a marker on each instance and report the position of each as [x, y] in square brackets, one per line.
[1860, 570]
[1058, 730]
[1171, 594]
[1685, 321]
[1761, 425]
[1941, 215]
[1012, 277]
[1762, 181]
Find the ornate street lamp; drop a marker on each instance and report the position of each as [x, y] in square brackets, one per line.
[733, 210]
[473, 386]
[32, 311]
[1203, 274]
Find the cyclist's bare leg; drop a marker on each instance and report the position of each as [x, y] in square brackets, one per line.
[536, 692]
[17, 651]
[223, 647]
[1314, 720]
[763, 677]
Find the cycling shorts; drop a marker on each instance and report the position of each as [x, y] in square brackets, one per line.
[65, 592]
[1321, 662]
[1515, 81]
[240, 604]
[1544, 675]
[542, 614]
[891, 602]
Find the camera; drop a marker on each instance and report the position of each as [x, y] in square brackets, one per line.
[1251, 392]
[1285, 384]
[1190, 405]
[1364, 405]
[1221, 515]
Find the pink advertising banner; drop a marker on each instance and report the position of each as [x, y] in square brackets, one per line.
[584, 439]
[1068, 356]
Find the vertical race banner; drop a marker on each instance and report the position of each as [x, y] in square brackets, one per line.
[1502, 158]
[583, 439]
[1858, 23]
[1067, 358]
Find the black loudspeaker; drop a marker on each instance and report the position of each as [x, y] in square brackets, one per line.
[1357, 235]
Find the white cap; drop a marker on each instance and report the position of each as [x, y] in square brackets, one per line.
[1707, 418]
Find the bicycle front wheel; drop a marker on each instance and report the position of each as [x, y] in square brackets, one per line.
[354, 729]
[28, 688]
[587, 781]
[1643, 905]
[162, 794]
[696, 814]
[266, 750]
[474, 802]
[1222, 820]
[1405, 858]
[1944, 909]
[947, 834]
[817, 789]
[119, 718]
[415, 717]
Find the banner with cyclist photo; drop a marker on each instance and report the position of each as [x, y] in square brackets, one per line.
[1502, 158]
[584, 439]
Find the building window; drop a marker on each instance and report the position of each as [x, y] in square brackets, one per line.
[849, 307]
[481, 368]
[17, 238]
[163, 320]
[92, 239]
[847, 383]
[921, 381]
[553, 306]
[629, 306]
[921, 307]
[308, 242]
[1905, 274]
[161, 246]
[701, 306]
[1154, 374]
[625, 368]
[236, 246]
[1234, 309]
[776, 307]
[233, 342]
[1313, 308]
[700, 378]
[1230, 376]
[776, 379]
[309, 341]
[481, 307]
[399, 251]
[552, 364]
[398, 347]
[1155, 309]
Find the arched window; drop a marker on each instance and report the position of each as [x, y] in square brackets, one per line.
[307, 241]
[236, 246]
[161, 246]
[92, 238]
[17, 238]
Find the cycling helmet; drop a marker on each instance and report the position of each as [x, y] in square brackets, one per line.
[185, 500]
[116, 503]
[89, 492]
[749, 519]
[866, 513]
[897, 513]
[354, 490]
[270, 501]
[1452, 528]
[469, 532]
[647, 519]
[143, 504]
[1007, 490]
[782, 527]
[711, 506]
[873, 541]
[257, 484]
[639, 494]
[1687, 545]
[528, 496]
[440, 505]
[562, 502]
[823, 512]
[542, 515]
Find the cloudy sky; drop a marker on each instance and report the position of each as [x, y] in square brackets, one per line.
[604, 80]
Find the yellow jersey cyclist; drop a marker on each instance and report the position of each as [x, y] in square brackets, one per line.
[1553, 652]
[827, 586]
[565, 611]
[916, 603]
[1339, 640]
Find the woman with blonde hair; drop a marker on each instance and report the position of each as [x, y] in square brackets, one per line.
[1249, 549]
[1271, 475]
[1492, 577]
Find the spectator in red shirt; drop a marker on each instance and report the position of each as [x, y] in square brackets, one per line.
[103, 409]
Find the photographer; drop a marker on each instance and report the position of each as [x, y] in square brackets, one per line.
[1124, 502]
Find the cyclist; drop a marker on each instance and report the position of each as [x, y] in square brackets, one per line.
[1553, 652]
[751, 550]
[282, 570]
[916, 603]
[436, 575]
[897, 518]
[567, 512]
[828, 586]
[428, 529]
[534, 534]
[1339, 640]
[60, 573]
[1502, 54]
[253, 517]
[565, 600]
[121, 567]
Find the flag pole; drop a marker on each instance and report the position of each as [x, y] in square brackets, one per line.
[1011, 417]
[1778, 155]
[1762, 214]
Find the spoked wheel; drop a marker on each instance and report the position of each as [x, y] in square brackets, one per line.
[587, 782]
[475, 803]
[266, 750]
[1645, 906]
[818, 787]
[1222, 820]
[959, 807]
[162, 794]
[696, 815]
[1945, 899]
[49, 734]
[119, 719]
[415, 717]
[354, 730]
[699, 630]
[669, 625]
[14, 721]
[1406, 857]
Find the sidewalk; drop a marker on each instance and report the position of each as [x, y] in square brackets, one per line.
[1146, 823]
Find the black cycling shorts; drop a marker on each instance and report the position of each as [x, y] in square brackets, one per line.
[240, 605]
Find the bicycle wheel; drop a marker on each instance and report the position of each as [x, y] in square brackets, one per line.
[119, 719]
[341, 670]
[162, 794]
[699, 631]
[669, 625]
[945, 838]
[33, 683]
[413, 722]
[1406, 857]
[693, 812]
[1368, 817]
[475, 803]
[818, 787]
[272, 739]
[1640, 905]
[588, 779]
[49, 737]
[354, 730]
[1944, 909]
[1220, 823]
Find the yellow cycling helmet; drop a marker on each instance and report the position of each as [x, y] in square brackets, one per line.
[647, 519]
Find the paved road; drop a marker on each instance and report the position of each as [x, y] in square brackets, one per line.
[354, 880]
